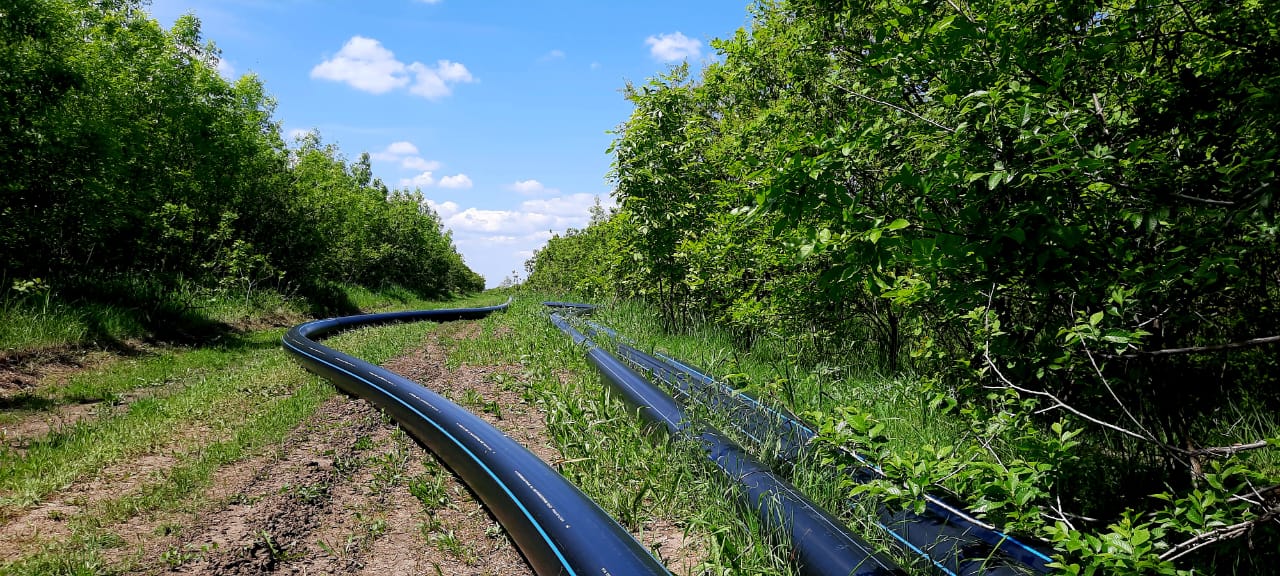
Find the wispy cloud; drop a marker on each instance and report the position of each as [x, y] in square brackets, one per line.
[406, 155]
[226, 69]
[498, 242]
[531, 188]
[553, 55]
[401, 148]
[416, 163]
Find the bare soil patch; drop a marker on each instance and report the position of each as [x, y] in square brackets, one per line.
[338, 499]
[28, 426]
[346, 493]
[263, 523]
[484, 390]
[25, 371]
[18, 433]
[268, 320]
[677, 549]
[24, 531]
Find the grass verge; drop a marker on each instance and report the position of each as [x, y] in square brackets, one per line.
[220, 406]
[636, 474]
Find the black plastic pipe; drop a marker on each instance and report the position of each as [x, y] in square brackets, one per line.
[952, 540]
[557, 528]
[821, 543]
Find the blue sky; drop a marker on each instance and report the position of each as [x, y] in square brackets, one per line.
[497, 110]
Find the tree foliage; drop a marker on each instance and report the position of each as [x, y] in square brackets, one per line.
[126, 153]
[1074, 203]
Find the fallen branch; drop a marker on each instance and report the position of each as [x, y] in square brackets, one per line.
[1200, 349]
[1214, 536]
[1229, 450]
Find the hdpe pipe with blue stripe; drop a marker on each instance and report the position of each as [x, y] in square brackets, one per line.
[556, 527]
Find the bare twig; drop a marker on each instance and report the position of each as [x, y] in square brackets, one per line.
[1205, 200]
[1229, 450]
[962, 12]
[895, 107]
[1061, 514]
[1097, 107]
[1215, 535]
[1202, 349]
[1098, 369]
[1058, 403]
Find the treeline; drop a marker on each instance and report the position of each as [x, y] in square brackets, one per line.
[1063, 210]
[126, 155]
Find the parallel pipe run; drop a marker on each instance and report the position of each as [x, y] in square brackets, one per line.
[941, 521]
[557, 528]
[821, 543]
[952, 540]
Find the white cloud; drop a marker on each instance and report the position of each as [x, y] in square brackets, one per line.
[298, 133]
[406, 154]
[556, 54]
[429, 1]
[443, 209]
[436, 83]
[477, 220]
[226, 69]
[672, 47]
[533, 216]
[455, 181]
[497, 242]
[595, 65]
[402, 148]
[531, 187]
[366, 65]
[416, 163]
[423, 180]
[569, 206]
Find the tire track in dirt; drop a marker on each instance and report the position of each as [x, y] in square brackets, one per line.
[451, 532]
[365, 500]
[24, 530]
[264, 523]
[346, 493]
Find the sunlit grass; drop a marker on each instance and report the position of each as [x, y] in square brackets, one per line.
[243, 399]
[768, 370]
[636, 474]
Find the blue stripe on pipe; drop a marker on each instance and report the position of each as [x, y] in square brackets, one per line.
[948, 509]
[550, 544]
[595, 544]
[822, 545]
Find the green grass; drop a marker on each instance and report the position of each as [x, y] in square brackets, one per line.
[161, 371]
[113, 313]
[767, 371]
[635, 473]
[214, 403]
[242, 398]
[40, 322]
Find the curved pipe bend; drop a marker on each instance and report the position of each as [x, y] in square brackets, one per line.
[557, 528]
